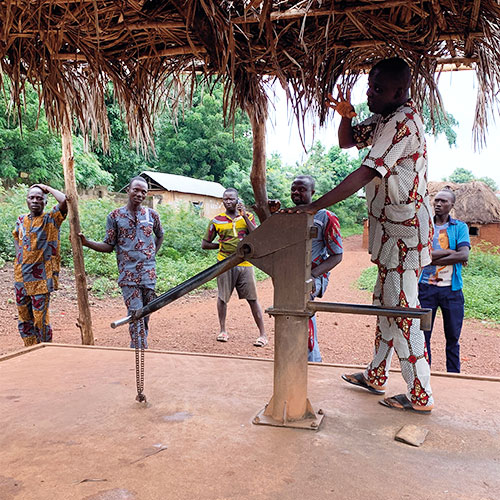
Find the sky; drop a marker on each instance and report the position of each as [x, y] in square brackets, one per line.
[458, 90]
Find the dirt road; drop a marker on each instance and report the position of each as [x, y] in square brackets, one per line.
[190, 324]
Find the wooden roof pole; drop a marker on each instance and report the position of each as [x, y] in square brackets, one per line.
[258, 118]
[84, 321]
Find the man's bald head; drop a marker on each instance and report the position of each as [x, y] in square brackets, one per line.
[397, 68]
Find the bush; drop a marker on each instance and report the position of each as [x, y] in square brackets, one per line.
[481, 283]
[12, 205]
[179, 258]
[367, 279]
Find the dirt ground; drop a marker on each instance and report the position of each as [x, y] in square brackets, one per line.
[190, 324]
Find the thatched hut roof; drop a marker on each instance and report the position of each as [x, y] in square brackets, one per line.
[476, 203]
[73, 48]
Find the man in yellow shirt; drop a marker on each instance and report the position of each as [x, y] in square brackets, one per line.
[232, 226]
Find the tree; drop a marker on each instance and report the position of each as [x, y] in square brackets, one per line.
[123, 161]
[34, 153]
[195, 143]
[328, 168]
[200, 145]
[461, 175]
[489, 182]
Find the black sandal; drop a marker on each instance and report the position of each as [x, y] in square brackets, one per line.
[401, 402]
[360, 381]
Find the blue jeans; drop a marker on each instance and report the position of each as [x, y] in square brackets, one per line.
[452, 307]
[314, 355]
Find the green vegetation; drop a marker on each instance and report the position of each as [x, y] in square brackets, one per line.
[461, 175]
[327, 167]
[481, 283]
[367, 279]
[179, 258]
[34, 153]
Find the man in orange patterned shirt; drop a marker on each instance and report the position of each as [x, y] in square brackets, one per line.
[37, 264]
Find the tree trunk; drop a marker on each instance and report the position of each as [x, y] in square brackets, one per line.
[258, 173]
[84, 321]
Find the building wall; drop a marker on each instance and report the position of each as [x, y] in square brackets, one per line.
[209, 205]
[489, 233]
[486, 233]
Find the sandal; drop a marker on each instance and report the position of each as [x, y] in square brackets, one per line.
[358, 379]
[261, 342]
[223, 337]
[401, 402]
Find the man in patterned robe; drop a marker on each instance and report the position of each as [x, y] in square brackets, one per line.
[38, 261]
[326, 252]
[395, 174]
[135, 232]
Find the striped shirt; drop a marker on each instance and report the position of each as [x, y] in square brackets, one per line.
[230, 232]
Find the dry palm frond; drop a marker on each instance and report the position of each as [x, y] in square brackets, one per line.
[72, 49]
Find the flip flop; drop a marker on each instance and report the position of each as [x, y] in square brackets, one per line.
[358, 379]
[401, 402]
[223, 337]
[261, 342]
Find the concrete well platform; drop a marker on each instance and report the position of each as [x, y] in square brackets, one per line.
[71, 429]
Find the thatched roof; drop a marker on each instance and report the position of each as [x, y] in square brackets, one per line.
[476, 203]
[73, 48]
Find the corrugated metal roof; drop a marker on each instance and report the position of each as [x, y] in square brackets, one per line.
[182, 184]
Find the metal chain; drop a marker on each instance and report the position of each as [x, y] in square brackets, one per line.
[139, 331]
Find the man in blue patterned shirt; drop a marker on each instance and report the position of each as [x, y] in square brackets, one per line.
[136, 234]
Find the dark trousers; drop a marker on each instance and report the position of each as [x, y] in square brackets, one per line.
[452, 307]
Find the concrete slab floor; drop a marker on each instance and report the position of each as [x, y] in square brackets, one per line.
[71, 429]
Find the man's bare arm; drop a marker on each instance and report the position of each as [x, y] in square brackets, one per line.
[209, 245]
[98, 246]
[342, 105]
[327, 265]
[346, 134]
[158, 242]
[453, 257]
[58, 195]
[250, 225]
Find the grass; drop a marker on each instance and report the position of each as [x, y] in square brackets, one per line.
[481, 283]
[179, 258]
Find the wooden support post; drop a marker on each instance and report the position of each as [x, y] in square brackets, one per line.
[84, 321]
[258, 173]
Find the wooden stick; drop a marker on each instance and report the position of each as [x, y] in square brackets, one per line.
[175, 51]
[84, 321]
[258, 173]
[298, 13]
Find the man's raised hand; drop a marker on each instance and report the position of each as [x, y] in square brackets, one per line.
[342, 105]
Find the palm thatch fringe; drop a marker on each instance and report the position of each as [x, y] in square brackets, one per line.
[71, 49]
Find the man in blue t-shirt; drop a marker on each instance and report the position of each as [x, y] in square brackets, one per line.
[441, 283]
[326, 251]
